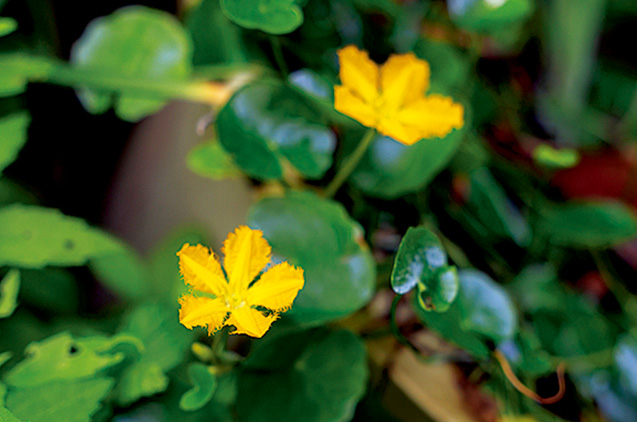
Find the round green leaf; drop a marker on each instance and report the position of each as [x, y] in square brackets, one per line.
[588, 225]
[486, 307]
[272, 16]
[135, 42]
[322, 385]
[318, 235]
[268, 121]
[390, 169]
[204, 384]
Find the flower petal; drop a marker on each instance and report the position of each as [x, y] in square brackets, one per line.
[250, 321]
[404, 79]
[349, 104]
[246, 254]
[202, 312]
[277, 287]
[358, 73]
[201, 269]
[434, 115]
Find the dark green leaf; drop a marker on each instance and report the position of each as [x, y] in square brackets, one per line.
[449, 67]
[588, 225]
[50, 290]
[439, 291]
[59, 401]
[212, 161]
[9, 288]
[390, 169]
[204, 384]
[322, 385]
[135, 42]
[268, 121]
[123, 272]
[318, 235]
[14, 134]
[272, 16]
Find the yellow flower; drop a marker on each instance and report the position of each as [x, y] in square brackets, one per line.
[391, 98]
[217, 300]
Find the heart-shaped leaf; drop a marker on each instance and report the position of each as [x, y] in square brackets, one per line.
[204, 384]
[319, 236]
[268, 121]
[272, 16]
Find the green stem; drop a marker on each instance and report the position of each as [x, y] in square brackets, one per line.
[219, 342]
[350, 164]
[278, 55]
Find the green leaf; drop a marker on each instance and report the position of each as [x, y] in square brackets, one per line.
[422, 261]
[135, 42]
[165, 343]
[318, 235]
[272, 16]
[489, 15]
[626, 361]
[322, 385]
[390, 169]
[17, 69]
[33, 237]
[449, 66]
[547, 156]
[51, 290]
[7, 26]
[212, 161]
[204, 384]
[266, 122]
[490, 204]
[588, 224]
[7, 416]
[62, 358]
[486, 307]
[59, 401]
[14, 134]
[9, 288]
[122, 271]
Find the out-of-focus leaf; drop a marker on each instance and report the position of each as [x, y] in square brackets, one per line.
[7, 26]
[33, 237]
[165, 342]
[449, 67]
[9, 288]
[537, 287]
[422, 261]
[204, 384]
[548, 156]
[14, 134]
[272, 16]
[135, 42]
[268, 121]
[318, 235]
[626, 361]
[7, 416]
[282, 345]
[494, 210]
[312, 84]
[68, 401]
[390, 169]
[525, 353]
[488, 15]
[322, 385]
[17, 69]
[588, 224]
[215, 39]
[11, 192]
[50, 290]
[212, 161]
[63, 358]
[123, 271]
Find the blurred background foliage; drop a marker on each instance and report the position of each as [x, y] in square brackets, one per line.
[514, 238]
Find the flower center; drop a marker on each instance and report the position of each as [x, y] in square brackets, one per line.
[235, 301]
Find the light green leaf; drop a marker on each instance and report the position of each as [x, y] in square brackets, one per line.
[266, 122]
[272, 16]
[390, 169]
[7, 416]
[486, 307]
[322, 385]
[588, 224]
[17, 69]
[141, 379]
[13, 129]
[135, 42]
[547, 156]
[62, 358]
[68, 401]
[318, 235]
[122, 271]
[212, 161]
[33, 237]
[9, 288]
[204, 384]
[7, 26]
